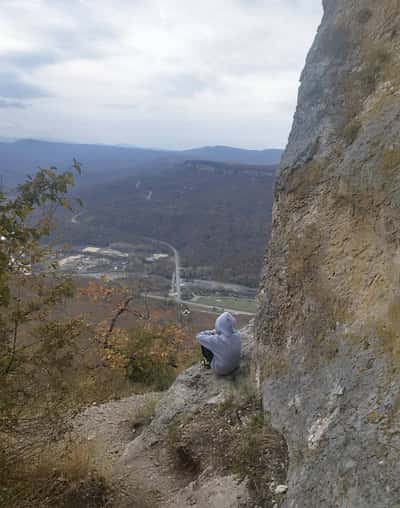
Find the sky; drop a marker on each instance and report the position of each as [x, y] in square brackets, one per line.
[154, 73]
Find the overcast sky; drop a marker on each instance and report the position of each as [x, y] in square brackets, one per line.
[156, 73]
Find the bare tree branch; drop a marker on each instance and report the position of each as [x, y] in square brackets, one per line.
[14, 347]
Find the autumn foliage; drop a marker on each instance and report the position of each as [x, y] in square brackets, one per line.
[151, 351]
[54, 361]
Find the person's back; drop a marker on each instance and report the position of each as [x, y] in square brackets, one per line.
[224, 343]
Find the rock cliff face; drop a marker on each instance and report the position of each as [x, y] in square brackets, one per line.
[328, 328]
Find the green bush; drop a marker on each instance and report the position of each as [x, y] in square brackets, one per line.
[152, 355]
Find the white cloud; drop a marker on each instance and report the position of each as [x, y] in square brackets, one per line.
[190, 73]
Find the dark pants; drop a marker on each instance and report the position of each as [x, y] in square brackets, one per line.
[207, 354]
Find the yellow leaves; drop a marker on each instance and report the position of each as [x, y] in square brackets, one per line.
[96, 291]
[114, 358]
[149, 352]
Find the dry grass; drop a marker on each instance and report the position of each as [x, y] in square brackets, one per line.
[144, 414]
[60, 477]
[230, 438]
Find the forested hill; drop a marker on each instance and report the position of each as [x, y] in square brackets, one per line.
[217, 215]
[22, 157]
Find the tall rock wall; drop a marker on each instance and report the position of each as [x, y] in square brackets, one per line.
[328, 328]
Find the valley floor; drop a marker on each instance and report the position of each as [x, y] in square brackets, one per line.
[159, 271]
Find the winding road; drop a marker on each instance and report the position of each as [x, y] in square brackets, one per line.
[177, 277]
[177, 283]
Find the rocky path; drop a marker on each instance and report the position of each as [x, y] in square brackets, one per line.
[135, 454]
[135, 459]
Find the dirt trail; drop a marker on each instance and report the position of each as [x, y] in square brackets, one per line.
[106, 429]
[146, 477]
[136, 459]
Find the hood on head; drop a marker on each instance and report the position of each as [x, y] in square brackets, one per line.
[225, 323]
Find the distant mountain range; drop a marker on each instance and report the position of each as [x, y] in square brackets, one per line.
[236, 155]
[104, 162]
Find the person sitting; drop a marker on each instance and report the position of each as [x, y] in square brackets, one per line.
[221, 347]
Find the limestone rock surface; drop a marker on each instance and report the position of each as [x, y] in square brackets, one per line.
[328, 326]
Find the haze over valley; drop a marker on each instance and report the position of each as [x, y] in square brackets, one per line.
[211, 206]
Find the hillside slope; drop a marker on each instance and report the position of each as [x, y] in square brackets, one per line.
[328, 327]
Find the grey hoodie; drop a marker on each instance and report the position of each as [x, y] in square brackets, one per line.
[224, 343]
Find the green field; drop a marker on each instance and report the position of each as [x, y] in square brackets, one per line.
[224, 302]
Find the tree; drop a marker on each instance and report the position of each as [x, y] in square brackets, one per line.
[30, 288]
[50, 362]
